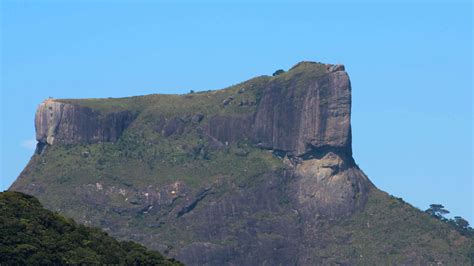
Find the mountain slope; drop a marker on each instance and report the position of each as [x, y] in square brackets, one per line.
[257, 173]
[32, 235]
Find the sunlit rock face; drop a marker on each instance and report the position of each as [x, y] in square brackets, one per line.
[329, 186]
[297, 117]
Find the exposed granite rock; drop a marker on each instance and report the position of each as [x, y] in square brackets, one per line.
[329, 186]
[58, 122]
[271, 217]
[246, 226]
[173, 126]
[197, 118]
[296, 119]
[295, 115]
[334, 68]
[230, 128]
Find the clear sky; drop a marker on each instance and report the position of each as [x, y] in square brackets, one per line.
[410, 67]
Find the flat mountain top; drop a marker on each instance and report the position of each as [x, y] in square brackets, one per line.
[257, 173]
[202, 101]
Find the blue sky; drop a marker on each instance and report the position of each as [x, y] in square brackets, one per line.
[410, 67]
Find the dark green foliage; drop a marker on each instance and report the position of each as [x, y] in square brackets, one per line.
[437, 210]
[460, 224]
[389, 231]
[29, 234]
[278, 72]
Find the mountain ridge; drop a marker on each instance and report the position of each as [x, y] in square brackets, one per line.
[260, 172]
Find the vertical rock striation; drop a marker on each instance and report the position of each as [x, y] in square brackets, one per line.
[302, 115]
[58, 122]
[297, 117]
[304, 110]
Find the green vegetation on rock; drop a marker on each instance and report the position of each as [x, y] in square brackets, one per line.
[217, 178]
[32, 235]
[390, 231]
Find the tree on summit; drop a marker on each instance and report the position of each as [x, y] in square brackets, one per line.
[437, 210]
[462, 225]
[278, 72]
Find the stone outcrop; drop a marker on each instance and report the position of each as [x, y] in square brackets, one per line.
[296, 115]
[296, 119]
[330, 186]
[58, 122]
[249, 217]
[230, 128]
[302, 115]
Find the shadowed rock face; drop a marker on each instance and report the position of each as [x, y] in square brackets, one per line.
[230, 128]
[64, 123]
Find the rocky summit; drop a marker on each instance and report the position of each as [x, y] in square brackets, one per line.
[259, 173]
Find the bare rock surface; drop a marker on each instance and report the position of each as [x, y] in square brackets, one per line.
[295, 117]
[329, 186]
[58, 122]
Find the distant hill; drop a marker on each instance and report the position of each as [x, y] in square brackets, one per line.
[259, 173]
[32, 235]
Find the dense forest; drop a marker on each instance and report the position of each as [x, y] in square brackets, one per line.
[30, 234]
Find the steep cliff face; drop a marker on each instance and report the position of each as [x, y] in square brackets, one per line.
[257, 173]
[63, 123]
[302, 110]
[297, 117]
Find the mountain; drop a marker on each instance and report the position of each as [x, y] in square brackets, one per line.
[257, 173]
[32, 235]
